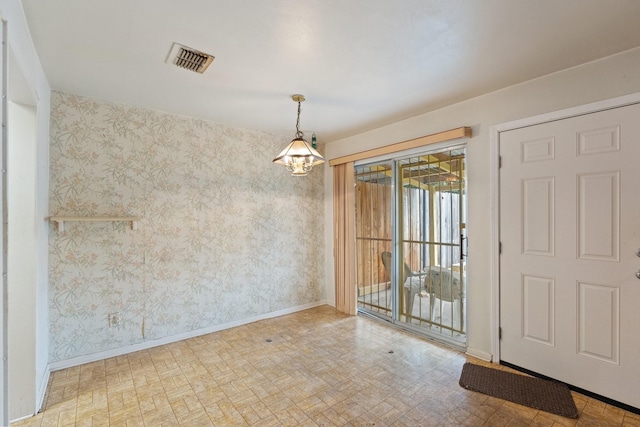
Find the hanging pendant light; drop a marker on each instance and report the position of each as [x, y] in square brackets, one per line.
[299, 157]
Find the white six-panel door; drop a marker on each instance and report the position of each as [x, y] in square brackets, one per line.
[570, 229]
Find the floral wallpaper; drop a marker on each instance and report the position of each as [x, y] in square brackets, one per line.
[216, 240]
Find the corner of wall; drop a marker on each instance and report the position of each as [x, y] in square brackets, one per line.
[479, 354]
[26, 58]
[328, 235]
[42, 389]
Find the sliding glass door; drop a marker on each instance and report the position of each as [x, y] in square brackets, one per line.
[411, 233]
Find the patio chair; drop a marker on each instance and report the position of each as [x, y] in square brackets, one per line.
[411, 280]
[443, 284]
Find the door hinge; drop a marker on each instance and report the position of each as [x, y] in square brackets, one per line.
[499, 333]
[500, 248]
[499, 162]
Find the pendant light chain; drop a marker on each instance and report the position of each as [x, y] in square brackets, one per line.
[298, 133]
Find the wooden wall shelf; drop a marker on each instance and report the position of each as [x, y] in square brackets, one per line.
[60, 220]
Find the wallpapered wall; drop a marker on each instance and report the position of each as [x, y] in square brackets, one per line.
[224, 234]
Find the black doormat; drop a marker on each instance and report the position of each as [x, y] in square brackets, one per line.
[549, 396]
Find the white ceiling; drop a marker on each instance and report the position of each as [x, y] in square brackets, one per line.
[360, 63]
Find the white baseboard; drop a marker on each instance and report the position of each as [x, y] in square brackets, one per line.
[81, 360]
[21, 418]
[482, 355]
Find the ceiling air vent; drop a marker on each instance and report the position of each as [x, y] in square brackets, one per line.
[188, 58]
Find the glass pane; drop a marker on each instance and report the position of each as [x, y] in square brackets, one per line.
[373, 238]
[433, 199]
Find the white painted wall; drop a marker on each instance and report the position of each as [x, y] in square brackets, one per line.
[21, 183]
[606, 78]
[26, 60]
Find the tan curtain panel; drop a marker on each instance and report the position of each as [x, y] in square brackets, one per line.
[344, 238]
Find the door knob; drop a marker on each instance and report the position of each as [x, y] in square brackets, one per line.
[638, 252]
[638, 274]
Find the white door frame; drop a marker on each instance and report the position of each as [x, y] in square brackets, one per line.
[494, 133]
[4, 364]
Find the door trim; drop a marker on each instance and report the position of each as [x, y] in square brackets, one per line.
[494, 153]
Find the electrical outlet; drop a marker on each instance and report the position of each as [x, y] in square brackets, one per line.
[114, 320]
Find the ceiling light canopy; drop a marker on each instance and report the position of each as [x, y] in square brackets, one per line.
[299, 157]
